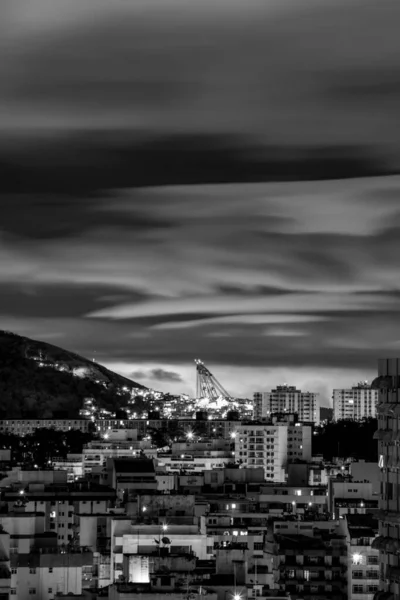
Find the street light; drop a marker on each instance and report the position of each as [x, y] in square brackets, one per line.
[164, 527]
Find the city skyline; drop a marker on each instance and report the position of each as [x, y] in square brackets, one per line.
[266, 281]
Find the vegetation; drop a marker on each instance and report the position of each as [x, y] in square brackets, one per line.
[347, 438]
[41, 380]
[39, 448]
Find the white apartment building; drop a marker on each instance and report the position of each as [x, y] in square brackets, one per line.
[355, 403]
[267, 446]
[287, 399]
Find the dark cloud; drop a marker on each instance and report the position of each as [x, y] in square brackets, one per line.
[159, 375]
[88, 164]
[128, 235]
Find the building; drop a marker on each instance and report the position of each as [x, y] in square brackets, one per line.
[58, 504]
[310, 559]
[349, 496]
[286, 398]
[72, 465]
[363, 559]
[358, 402]
[388, 435]
[271, 446]
[27, 426]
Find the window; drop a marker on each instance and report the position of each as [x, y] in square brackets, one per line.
[32, 591]
[50, 591]
[32, 571]
[372, 589]
[357, 574]
[258, 545]
[14, 571]
[372, 574]
[13, 591]
[50, 569]
[358, 589]
[373, 560]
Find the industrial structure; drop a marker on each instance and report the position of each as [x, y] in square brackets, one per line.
[207, 386]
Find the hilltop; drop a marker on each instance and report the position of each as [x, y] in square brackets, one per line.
[41, 380]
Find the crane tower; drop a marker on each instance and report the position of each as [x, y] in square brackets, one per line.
[207, 386]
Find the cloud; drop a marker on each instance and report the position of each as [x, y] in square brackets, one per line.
[116, 207]
[159, 375]
[287, 72]
[249, 319]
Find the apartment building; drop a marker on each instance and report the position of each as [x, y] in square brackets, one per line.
[363, 559]
[271, 447]
[310, 559]
[23, 427]
[355, 403]
[59, 503]
[287, 398]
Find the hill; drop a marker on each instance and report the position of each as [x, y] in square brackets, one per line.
[41, 380]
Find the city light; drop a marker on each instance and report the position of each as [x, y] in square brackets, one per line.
[189, 435]
[237, 597]
[233, 434]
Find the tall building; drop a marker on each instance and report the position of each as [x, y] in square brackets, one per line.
[355, 403]
[388, 436]
[271, 446]
[286, 398]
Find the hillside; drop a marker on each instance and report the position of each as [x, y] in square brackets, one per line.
[41, 380]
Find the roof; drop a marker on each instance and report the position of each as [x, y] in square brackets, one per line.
[134, 465]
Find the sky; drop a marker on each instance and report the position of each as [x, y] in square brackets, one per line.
[185, 180]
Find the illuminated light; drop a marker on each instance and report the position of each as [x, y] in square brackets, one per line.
[235, 532]
[106, 436]
[237, 597]
[310, 504]
[189, 435]
[53, 514]
[233, 434]
[357, 558]
[233, 505]
[144, 508]
[294, 503]
[21, 492]
[362, 504]
[164, 527]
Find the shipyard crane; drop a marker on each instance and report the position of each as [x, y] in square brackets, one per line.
[207, 386]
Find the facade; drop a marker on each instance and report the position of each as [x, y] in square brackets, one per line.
[57, 504]
[388, 435]
[363, 559]
[310, 560]
[268, 446]
[348, 496]
[356, 403]
[27, 426]
[286, 398]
